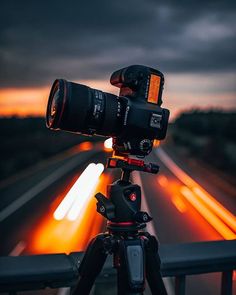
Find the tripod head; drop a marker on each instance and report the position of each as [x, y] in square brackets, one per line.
[122, 205]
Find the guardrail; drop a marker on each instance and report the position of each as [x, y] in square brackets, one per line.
[61, 270]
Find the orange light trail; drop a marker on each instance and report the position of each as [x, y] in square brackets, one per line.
[216, 207]
[84, 192]
[202, 196]
[207, 214]
[53, 236]
[156, 143]
[179, 203]
[162, 180]
[85, 146]
[79, 194]
[108, 145]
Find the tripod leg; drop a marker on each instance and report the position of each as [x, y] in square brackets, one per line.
[91, 265]
[129, 261]
[153, 262]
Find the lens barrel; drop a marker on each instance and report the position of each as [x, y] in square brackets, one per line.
[79, 108]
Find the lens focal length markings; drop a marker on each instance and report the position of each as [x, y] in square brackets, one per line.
[98, 104]
[95, 121]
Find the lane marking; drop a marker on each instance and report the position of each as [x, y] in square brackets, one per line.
[64, 291]
[168, 282]
[137, 179]
[225, 215]
[38, 188]
[47, 162]
[19, 248]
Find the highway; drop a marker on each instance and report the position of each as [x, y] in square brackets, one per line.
[185, 206]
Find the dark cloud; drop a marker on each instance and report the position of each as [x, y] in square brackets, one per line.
[42, 40]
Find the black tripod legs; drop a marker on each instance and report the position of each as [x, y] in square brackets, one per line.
[91, 265]
[135, 256]
[153, 262]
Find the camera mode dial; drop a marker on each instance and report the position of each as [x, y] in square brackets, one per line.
[145, 145]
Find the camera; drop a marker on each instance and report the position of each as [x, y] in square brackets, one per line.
[133, 119]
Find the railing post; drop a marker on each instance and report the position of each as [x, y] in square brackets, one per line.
[226, 283]
[180, 282]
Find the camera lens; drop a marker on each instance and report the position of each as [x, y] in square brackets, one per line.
[55, 105]
[78, 108]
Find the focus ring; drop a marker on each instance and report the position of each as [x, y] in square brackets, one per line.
[110, 115]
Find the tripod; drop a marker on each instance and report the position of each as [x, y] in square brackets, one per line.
[135, 252]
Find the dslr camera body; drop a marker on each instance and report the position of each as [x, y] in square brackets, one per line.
[134, 119]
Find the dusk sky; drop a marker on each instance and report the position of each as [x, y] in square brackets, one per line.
[192, 42]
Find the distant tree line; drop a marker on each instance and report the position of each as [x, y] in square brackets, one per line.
[208, 135]
[27, 141]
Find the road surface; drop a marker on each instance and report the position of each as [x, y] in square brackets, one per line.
[183, 209]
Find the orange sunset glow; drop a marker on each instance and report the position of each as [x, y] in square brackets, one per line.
[176, 96]
[23, 101]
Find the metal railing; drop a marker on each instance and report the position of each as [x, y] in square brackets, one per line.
[61, 270]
